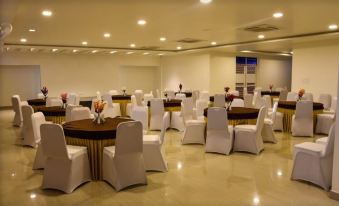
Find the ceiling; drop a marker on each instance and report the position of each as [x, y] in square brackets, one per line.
[221, 21]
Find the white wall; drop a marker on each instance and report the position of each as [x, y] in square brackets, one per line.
[222, 73]
[315, 68]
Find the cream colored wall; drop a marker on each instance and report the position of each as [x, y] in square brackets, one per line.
[315, 68]
[222, 73]
[192, 71]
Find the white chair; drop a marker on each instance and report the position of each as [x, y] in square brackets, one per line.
[325, 99]
[170, 94]
[292, 96]
[40, 95]
[204, 95]
[238, 103]
[111, 109]
[123, 164]
[322, 140]
[194, 129]
[53, 101]
[154, 154]
[308, 97]
[267, 132]
[141, 114]
[68, 112]
[73, 99]
[257, 100]
[16, 104]
[38, 119]
[313, 162]
[235, 93]
[324, 122]
[195, 96]
[248, 100]
[180, 96]
[248, 137]
[219, 138]
[113, 92]
[333, 107]
[267, 102]
[79, 113]
[147, 98]
[283, 95]
[302, 120]
[157, 113]
[67, 166]
[177, 121]
[219, 100]
[158, 94]
[27, 126]
[130, 105]
[139, 96]
[201, 105]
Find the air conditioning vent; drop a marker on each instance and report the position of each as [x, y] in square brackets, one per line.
[261, 28]
[189, 40]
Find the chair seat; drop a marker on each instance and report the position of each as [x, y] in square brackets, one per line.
[109, 151]
[245, 127]
[268, 121]
[74, 151]
[151, 139]
[310, 147]
[322, 140]
[326, 115]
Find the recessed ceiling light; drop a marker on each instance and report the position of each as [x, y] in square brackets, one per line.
[84, 43]
[245, 51]
[278, 15]
[333, 26]
[291, 52]
[23, 40]
[75, 50]
[129, 52]
[162, 39]
[261, 36]
[214, 43]
[54, 50]
[145, 53]
[178, 47]
[33, 196]
[107, 35]
[132, 45]
[160, 54]
[32, 49]
[205, 1]
[32, 30]
[141, 22]
[112, 52]
[94, 51]
[46, 13]
[256, 200]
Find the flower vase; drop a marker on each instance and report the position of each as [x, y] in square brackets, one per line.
[99, 119]
[124, 92]
[64, 105]
[229, 106]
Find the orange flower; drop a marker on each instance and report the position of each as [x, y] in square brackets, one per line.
[99, 106]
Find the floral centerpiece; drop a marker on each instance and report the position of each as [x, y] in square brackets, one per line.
[180, 87]
[123, 89]
[227, 89]
[229, 100]
[271, 87]
[301, 94]
[44, 91]
[63, 97]
[99, 106]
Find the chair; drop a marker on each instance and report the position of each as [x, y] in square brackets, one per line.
[53, 101]
[180, 96]
[157, 113]
[267, 132]
[248, 137]
[130, 105]
[194, 129]
[40, 95]
[322, 140]
[257, 100]
[16, 104]
[325, 99]
[74, 99]
[141, 114]
[219, 138]
[195, 96]
[123, 164]
[267, 102]
[177, 121]
[67, 166]
[235, 93]
[27, 126]
[204, 95]
[139, 95]
[111, 109]
[219, 100]
[201, 105]
[333, 107]
[80, 113]
[170, 94]
[302, 120]
[308, 97]
[154, 154]
[147, 98]
[313, 162]
[248, 100]
[283, 95]
[38, 119]
[113, 92]
[238, 103]
[68, 112]
[324, 122]
[292, 96]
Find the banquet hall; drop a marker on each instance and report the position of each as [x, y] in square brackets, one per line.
[157, 102]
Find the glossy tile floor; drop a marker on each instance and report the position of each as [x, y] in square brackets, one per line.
[194, 177]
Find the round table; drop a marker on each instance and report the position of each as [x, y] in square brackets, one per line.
[123, 100]
[56, 114]
[288, 110]
[95, 137]
[36, 103]
[240, 115]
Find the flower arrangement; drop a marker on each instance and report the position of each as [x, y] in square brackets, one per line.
[180, 87]
[123, 89]
[301, 94]
[271, 87]
[229, 100]
[63, 97]
[227, 89]
[44, 91]
[99, 106]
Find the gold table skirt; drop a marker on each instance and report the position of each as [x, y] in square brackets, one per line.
[55, 119]
[288, 114]
[95, 150]
[235, 122]
[123, 105]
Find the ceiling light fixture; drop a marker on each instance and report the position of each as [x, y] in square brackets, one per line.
[129, 52]
[245, 51]
[142, 22]
[261, 36]
[94, 51]
[32, 49]
[178, 47]
[205, 1]
[112, 52]
[54, 50]
[213, 43]
[84, 43]
[161, 54]
[278, 15]
[162, 39]
[107, 35]
[32, 30]
[333, 26]
[75, 50]
[145, 53]
[46, 13]
[132, 45]
[23, 40]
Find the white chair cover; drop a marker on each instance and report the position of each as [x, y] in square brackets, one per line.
[38, 119]
[147, 98]
[141, 114]
[123, 164]
[113, 92]
[302, 121]
[248, 100]
[16, 104]
[308, 96]
[170, 94]
[79, 113]
[73, 99]
[219, 137]
[219, 100]
[53, 101]
[267, 132]
[157, 113]
[324, 123]
[68, 112]
[195, 96]
[283, 95]
[180, 96]
[325, 99]
[292, 96]
[201, 105]
[204, 95]
[27, 127]
[139, 96]
[238, 103]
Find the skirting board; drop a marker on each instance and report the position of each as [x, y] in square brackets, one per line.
[334, 195]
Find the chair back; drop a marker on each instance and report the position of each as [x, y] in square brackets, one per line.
[157, 107]
[256, 97]
[147, 98]
[201, 105]
[261, 120]
[107, 97]
[204, 95]
[74, 99]
[79, 113]
[180, 96]
[53, 141]
[238, 103]
[330, 142]
[267, 101]
[113, 92]
[217, 119]
[129, 138]
[68, 111]
[139, 95]
[283, 95]
[334, 104]
[163, 128]
[291, 96]
[16, 104]
[38, 119]
[195, 96]
[187, 109]
[140, 114]
[235, 93]
[53, 101]
[248, 100]
[170, 94]
[158, 94]
[325, 99]
[27, 112]
[219, 100]
[304, 109]
[40, 95]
